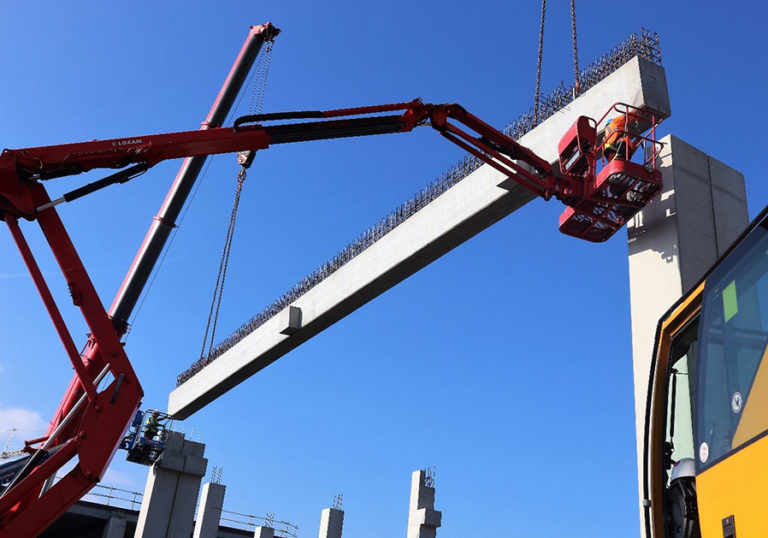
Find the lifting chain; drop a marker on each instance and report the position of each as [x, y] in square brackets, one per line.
[538, 65]
[260, 76]
[575, 50]
[261, 73]
[576, 86]
[218, 290]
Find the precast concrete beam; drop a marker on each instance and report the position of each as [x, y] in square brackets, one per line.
[702, 209]
[472, 205]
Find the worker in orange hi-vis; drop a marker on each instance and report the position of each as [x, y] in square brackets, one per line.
[621, 139]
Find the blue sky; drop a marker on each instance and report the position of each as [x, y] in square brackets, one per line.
[507, 363]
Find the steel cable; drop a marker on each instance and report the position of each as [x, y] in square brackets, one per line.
[575, 50]
[538, 64]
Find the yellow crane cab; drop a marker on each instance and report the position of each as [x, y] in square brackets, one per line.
[705, 449]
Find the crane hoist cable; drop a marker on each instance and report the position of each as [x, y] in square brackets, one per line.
[538, 64]
[218, 290]
[575, 50]
[244, 159]
[576, 88]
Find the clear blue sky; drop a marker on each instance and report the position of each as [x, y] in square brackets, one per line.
[507, 363]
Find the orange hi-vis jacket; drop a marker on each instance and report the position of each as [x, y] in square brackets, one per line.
[616, 132]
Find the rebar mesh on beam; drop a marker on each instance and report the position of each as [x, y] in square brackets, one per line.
[646, 45]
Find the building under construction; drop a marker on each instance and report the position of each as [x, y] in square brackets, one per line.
[591, 145]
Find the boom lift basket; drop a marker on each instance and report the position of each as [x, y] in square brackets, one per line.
[622, 187]
[145, 441]
[621, 190]
[576, 147]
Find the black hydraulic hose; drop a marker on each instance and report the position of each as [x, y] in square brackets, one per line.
[324, 130]
[122, 176]
[271, 116]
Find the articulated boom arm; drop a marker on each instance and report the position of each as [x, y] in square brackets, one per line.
[20, 168]
[105, 393]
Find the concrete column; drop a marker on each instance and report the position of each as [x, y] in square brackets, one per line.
[331, 522]
[173, 484]
[209, 512]
[423, 519]
[672, 243]
[264, 532]
[115, 527]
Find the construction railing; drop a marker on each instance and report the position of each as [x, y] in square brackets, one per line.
[249, 522]
[112, 496]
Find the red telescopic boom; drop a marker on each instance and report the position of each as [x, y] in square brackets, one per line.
[105, 394]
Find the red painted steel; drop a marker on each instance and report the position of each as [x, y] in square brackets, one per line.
[91, 428]
[621, 188]
[50, 305]
[92, 432]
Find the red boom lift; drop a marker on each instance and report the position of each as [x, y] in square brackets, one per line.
[105, 393]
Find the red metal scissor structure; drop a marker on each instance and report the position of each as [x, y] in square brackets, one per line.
[105, 392]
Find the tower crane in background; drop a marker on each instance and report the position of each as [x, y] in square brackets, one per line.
[7, 454]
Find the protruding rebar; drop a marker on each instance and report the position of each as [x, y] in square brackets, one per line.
[646, 45]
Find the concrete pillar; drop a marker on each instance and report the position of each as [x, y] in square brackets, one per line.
[173, 484]
[672, 243]
[264, 532]
[331, 522]
[423, 519]
[115, 527]
[209, 512]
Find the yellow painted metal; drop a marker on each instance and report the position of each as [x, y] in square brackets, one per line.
[670, 327]
[736, 486]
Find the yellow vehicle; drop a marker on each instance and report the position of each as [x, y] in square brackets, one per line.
[706, 449]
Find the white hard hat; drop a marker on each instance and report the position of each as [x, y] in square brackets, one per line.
[686, 467]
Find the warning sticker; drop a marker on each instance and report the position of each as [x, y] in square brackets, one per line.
[736, 402]
[704, 452]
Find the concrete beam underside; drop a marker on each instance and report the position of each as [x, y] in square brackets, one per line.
[470, 206]
[672, 243]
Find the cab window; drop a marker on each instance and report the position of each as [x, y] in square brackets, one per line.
[732, 373]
